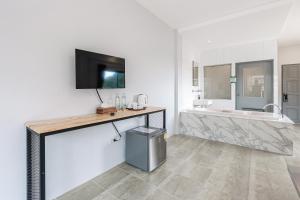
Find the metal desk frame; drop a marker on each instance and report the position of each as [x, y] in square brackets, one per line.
[36, 172]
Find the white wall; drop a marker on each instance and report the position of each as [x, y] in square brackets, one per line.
[262, 50]
[37, 81]
[178, 78]
[189, 54]
[287, 55]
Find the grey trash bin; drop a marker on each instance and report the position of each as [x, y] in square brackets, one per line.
[146, 147]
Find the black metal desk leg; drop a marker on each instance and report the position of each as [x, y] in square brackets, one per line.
[36, 184]
[164, 119]
[43, 171]
[147, 120]
[29, 164]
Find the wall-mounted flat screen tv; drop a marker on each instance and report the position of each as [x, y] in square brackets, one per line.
[95, 70]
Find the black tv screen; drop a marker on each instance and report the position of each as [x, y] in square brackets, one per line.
[95, 70]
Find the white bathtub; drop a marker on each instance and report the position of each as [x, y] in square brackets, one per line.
[256, 130]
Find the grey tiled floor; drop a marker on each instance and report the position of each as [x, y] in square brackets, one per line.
[196, 169]
[293, 162]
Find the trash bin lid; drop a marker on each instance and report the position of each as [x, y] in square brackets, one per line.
[145, 130]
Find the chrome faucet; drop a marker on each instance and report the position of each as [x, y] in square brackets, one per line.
[274, 105]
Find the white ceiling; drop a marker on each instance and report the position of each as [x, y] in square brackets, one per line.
[291, 31]
[184, 13]
[214, 23]
[257, 26]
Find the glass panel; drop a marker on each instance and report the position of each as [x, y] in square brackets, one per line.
[254, 82]
[217, 82]
[195, 76]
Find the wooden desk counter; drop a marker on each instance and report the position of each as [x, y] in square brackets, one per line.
[76, 122]
[37, 131]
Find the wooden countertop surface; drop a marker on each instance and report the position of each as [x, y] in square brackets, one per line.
[55, 125]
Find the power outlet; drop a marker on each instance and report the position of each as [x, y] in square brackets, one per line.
[112, 141]
[115, 139]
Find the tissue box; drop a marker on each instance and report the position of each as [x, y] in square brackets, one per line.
[103, 110]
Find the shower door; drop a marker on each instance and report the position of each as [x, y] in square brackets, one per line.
[254, 88]
[291, 91]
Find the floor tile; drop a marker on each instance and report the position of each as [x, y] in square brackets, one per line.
[160, 195]
[157, 177]
[87, 191]
[182, 187]
[111, 177]
[132, 188]
[132, 170]
[228, 182]
[267, 185]
[294, 172]
[187, 182]
[105, 196]
[176, 140]
[268, 161]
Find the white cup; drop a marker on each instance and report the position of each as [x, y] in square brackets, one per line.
[140, 106]
[134, 106]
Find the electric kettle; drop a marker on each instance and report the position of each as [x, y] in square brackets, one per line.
[142, 100]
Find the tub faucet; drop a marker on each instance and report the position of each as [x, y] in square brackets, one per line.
[280, 112]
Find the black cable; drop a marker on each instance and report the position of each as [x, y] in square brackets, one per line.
[99, 96]
[120, 136]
